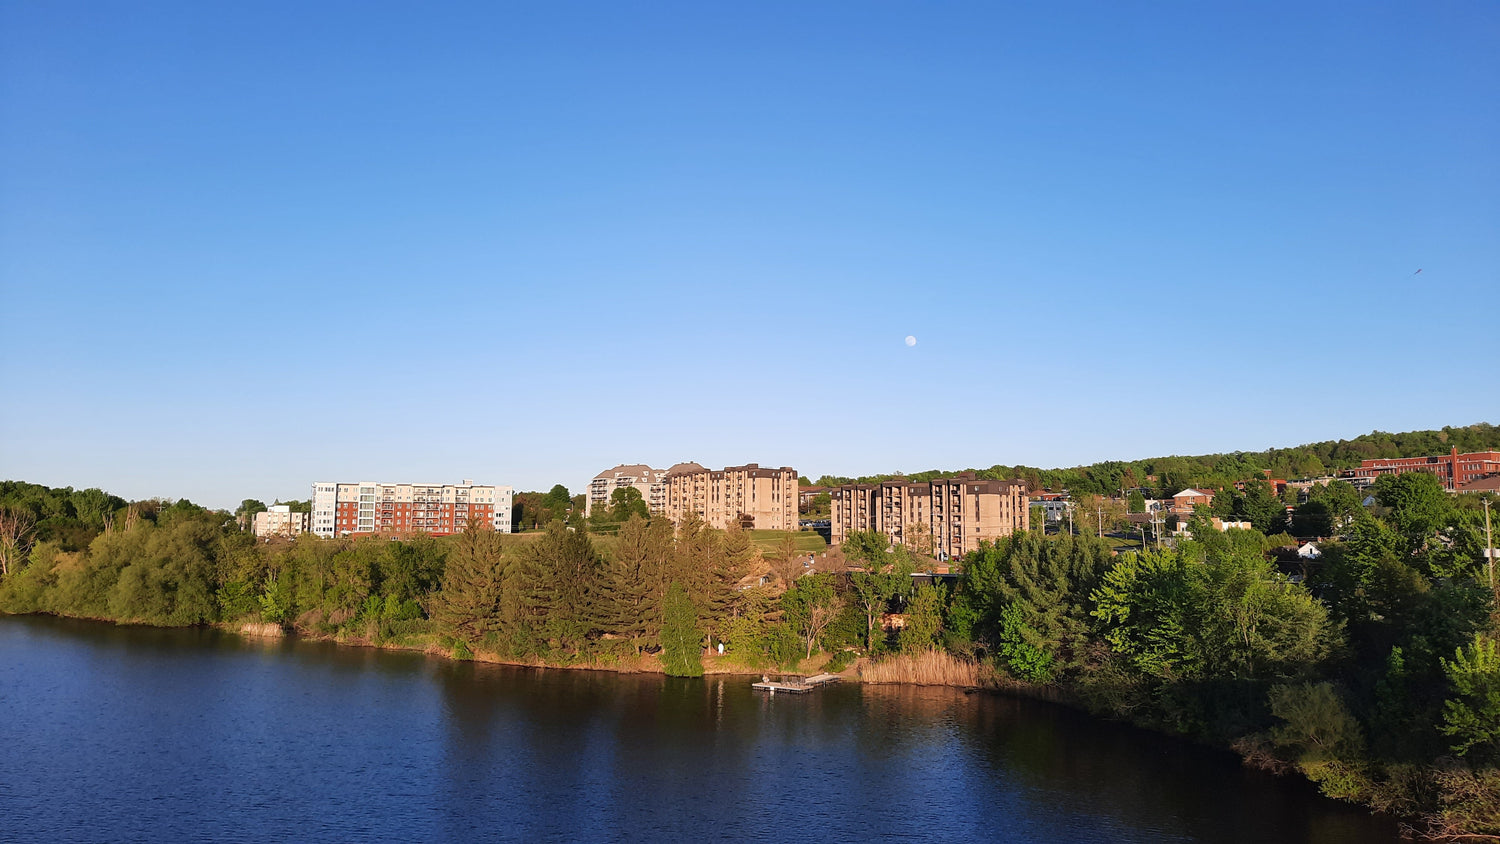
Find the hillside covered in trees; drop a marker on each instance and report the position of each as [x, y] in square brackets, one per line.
[1167, 475]
[1373, 671]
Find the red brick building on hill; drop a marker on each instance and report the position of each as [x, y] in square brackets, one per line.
[1453, 469]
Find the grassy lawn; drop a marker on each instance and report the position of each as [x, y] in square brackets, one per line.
[1120, 544]
[805, 540]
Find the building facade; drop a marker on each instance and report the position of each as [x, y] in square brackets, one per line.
[946, 518]
[398, 509]
[763, 499]
[1185, 502]
[279, 520]
[651, 483]
[1453, 469]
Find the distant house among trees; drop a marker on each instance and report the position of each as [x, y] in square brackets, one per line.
[1186, 501]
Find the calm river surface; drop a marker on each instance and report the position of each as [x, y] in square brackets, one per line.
[137, 734]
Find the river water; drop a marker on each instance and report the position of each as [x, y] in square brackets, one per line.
[140, 734]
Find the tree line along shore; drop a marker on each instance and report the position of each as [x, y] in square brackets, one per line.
[1372, 672]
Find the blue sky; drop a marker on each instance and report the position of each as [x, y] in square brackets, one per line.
[245, 247]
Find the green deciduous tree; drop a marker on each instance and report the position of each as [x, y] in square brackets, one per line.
[1265, 512]
[1419, 506]
[1471, 717]
[245, 513]
[276, 601]
[881, 576]
[1221, 612]
[1341, 499]
[94, 507]
[809, 607]
[626, 502]
[1312, 518]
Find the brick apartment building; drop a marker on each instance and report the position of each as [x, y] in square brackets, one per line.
[1453, 469]
[651, 483]
[395, 509]
[1188, 500]
[765, 499]
[952, 514]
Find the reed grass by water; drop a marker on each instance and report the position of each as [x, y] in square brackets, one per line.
[929, 668]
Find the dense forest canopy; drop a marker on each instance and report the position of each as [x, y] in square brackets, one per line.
[1167, 475]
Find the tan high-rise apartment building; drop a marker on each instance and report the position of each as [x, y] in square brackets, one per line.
[651, 483]
[765, 499]
[947, 517]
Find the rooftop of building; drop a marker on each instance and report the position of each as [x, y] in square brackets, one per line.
[966, 480]
[689, 468]
[632, 470]
[1488, 483]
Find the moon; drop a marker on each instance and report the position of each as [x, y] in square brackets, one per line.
[910, 340]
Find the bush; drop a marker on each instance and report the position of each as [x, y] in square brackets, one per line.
[1323, 736]
[783, 646]
[1318, 727]
[839, 661]
[237, 600]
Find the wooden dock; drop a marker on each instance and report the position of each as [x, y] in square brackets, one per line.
[796, 686]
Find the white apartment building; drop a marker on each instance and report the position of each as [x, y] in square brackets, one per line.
[401, 509]
[279, 520]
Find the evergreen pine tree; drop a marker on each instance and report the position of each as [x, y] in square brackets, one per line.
[468, 605]
[556, 580]
[680, 639]
[630, 592]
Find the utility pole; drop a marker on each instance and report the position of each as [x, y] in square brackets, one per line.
[1489, 553]
[1099, 514]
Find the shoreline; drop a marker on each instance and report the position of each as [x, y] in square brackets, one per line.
[992, 684]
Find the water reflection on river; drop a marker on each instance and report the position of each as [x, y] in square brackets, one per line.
[113, 733]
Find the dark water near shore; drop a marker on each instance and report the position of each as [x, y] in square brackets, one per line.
[139, 734]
